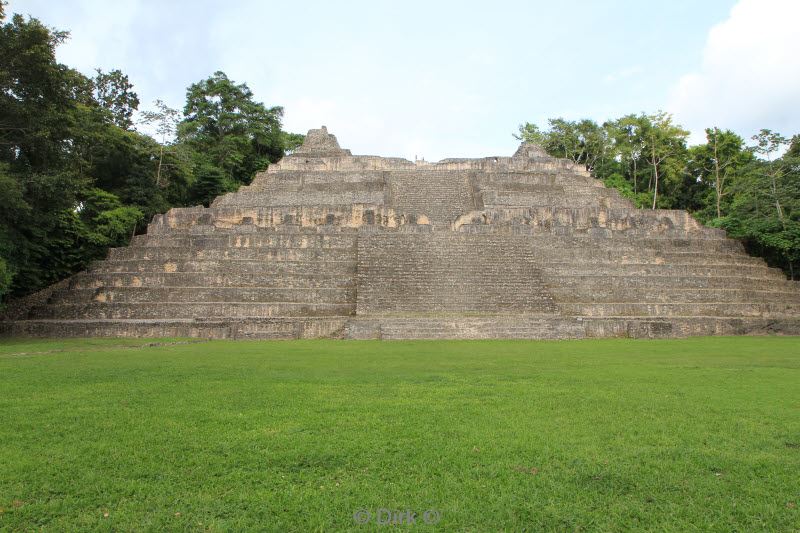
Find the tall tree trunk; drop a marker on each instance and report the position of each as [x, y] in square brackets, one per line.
[158, 170]
[717, 182]
[655, 175]
[655, 189]
[774, 182]
[777, 201]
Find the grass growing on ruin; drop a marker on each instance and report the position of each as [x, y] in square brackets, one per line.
[585, 435]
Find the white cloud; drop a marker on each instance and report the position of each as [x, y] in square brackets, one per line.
[750, 74]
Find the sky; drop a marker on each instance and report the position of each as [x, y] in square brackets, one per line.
[452, 79]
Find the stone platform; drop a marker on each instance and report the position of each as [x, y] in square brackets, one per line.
[327, 244]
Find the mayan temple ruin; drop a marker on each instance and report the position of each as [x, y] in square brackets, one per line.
[328, 244]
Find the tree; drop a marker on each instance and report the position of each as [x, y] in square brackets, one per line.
[209, 183]
[769, 144]
[60, 147]
[6, 275]
[794, 148]
[114, 92]
[718, 161]
[764, 210]
[35, 91]
[583, 142]
[108, 221]
[41, 102]
[594, 142]
[626, 137]
[292, 141]
[664, 142]
[238, 135]
[165, 120]
[531, 133]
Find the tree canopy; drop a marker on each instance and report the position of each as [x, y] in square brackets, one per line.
[229, 131]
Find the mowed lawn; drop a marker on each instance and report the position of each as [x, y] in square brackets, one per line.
[604, 435]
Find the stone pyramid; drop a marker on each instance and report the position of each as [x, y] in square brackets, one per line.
[327, 244]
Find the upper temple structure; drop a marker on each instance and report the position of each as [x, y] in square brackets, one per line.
[328, 244]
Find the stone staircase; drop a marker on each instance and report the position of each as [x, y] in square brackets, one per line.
[412, 192]
[466, 327]
[288, 188]
[274, 283]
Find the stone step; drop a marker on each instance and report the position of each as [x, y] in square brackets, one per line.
[158, 294]
[559, 192]
[463, 305]
[252, 240]
[619, 244]
[502, 199]
[349, 182]
[319, 176]
[584, 241]
[595, 232]
[169, 310]
[520, 179]
[245, 230]
[226, 328]
[590, 282]
[660, 294]
[243, 266]
[515, 327]
[718, 309]
[562, 188]
[208, 220]
[402, 328]
[171, 328]
[512, 327]
[614, 218]
[153, 253]
[711, 258]
[95, 280]
[623, 255]
[690, 326]
[552, 272]
[710, 245]
[302, 197]
[542, 187]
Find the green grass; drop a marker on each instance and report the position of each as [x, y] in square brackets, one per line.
[607, 435]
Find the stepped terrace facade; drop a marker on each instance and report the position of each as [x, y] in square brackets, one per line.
[328, 244]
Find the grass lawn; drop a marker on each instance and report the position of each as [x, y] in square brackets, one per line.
[604, 435]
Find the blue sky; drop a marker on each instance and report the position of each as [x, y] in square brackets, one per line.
[448, 79]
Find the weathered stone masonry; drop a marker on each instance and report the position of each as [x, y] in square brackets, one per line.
[327, 244]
